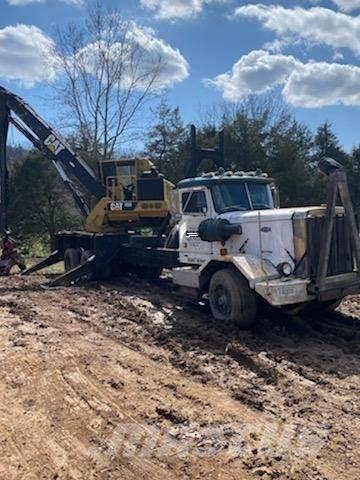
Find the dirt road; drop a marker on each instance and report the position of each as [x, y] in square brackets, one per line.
[124, 381]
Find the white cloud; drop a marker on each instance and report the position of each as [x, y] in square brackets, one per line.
[175, 9]
[151, 53]
[26, 55]
[256, 72]
[318, 25]
[337, 56]
[310, 85]
[174, 67]
[347, 5]
[319, 84]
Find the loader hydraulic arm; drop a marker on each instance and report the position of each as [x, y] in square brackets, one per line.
[16, 111]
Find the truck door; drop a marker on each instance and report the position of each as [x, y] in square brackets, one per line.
[194, 209]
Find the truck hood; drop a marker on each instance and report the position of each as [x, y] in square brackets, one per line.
[273, 214]
[270, 233]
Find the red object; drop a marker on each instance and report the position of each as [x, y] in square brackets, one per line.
[8, 247]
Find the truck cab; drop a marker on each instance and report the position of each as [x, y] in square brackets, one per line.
[220, 195]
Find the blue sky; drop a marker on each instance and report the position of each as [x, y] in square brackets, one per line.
[308, 50]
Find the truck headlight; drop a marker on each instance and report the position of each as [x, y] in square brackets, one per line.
[285, 269]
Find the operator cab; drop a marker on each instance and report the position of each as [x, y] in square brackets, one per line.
[132, 180]
[136, 193]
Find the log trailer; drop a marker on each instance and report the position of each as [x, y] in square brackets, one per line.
[222, 234]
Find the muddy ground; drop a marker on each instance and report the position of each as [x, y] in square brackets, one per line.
[128, 381]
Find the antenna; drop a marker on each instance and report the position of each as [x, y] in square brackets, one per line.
[217, 155]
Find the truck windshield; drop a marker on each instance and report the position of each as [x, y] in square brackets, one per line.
[235, 196]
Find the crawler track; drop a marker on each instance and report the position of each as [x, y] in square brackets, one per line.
[124, 380]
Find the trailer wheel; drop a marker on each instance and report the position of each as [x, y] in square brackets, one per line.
[71, 258]
[232, 299]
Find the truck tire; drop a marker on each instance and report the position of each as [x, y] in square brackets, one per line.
[231, 298]
[71, 258]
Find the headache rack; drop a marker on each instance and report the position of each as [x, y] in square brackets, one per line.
[333, 248]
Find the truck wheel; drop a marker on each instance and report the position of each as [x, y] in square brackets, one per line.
[71, 258]
[231, 298]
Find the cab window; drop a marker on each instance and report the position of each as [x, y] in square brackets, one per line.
[194, 202]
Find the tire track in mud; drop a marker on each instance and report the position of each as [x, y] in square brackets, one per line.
[275, 338]
[278, 345]
[189, 342]
[136, 468]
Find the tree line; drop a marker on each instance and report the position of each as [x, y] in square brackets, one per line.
[259, 133]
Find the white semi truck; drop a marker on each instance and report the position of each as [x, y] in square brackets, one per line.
[238, 248]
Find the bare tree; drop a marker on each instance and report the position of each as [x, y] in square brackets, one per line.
[107, 76]
[269, 107]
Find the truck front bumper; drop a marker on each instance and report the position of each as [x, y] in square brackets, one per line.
[285, 291]
[281, 292]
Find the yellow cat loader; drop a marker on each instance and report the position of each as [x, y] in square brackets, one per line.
[132, 207]
[131, 191]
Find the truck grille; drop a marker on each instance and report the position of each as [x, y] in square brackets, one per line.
[341, 258]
